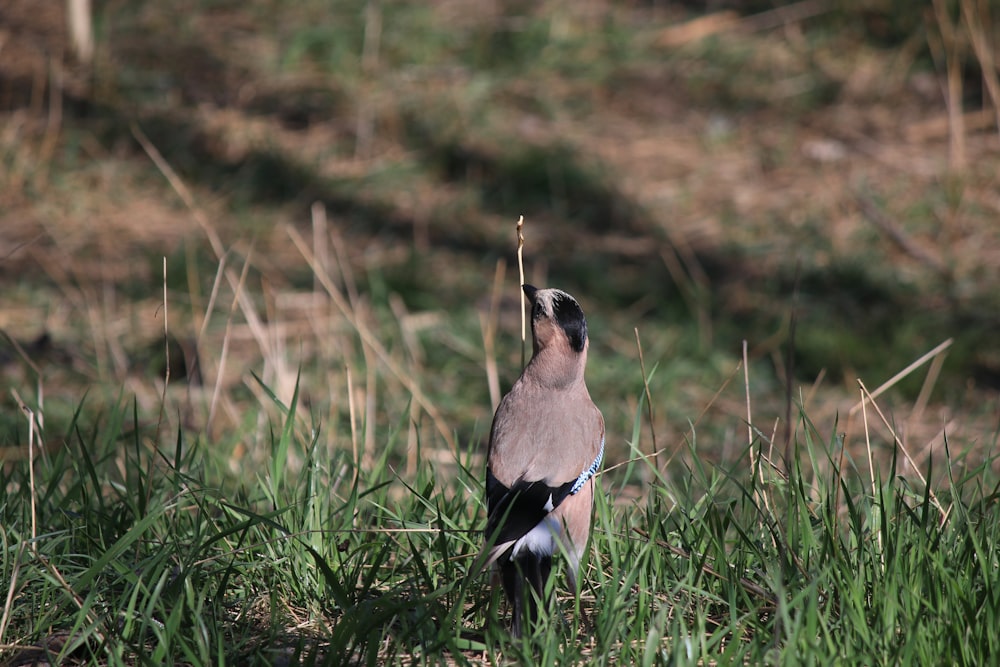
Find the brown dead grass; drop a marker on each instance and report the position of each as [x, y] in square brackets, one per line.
[82, 231]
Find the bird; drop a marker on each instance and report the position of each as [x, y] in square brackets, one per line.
[546, 445]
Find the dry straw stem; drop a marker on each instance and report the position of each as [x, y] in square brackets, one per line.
[891, 382]
[726, 21]
[520, 277]
[224, 354]
[353, 414]
[371, 386]
[925, 391]
[249, 310]
[343, 266]
[755, 463]
[746, 388]
[216, 284]
[33, 543]
[166, 345]
[407, 330]
[945, 46]
[488, 324]
[368, 338]
[247, 307]
[370, 48]
[53, 124]
[30, 414]
[79, 18]
[37, 417]
[868, 398]
[898, 235]
[12, 587]
[871, 472]
[320, 235]
[975, 18]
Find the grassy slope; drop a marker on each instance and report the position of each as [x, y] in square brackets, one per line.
[700, 185]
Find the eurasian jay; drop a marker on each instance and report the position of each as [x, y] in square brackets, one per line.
[546, 445]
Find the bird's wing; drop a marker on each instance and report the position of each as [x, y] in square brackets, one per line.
[515, 510]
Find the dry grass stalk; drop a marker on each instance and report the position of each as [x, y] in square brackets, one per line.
[923, 398]
[868, 398]
[945, 46]
[81, 29]
[520, 277]
[223, 355]
[891, 382]
[209, 309]
[30, 414]
[353, 416]
[726, 21]
[32, 544]
[698, 29]
[785, 16]
[371, 390]
[746, 387]
[407, 329]
[871, 470]
[371, 44]
[53, 125]
[940, 126]
[320, 235]
[898, 235]
[488, 323]
[975, 18]
[755, 463]
[369, 338]
[12, 587]
[274, 367]
[166, 346]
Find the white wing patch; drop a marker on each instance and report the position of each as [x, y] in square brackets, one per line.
[548, 506]
[541, 539]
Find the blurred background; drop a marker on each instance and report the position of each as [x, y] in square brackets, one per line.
[323, 194]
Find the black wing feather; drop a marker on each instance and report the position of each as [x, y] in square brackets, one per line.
[515, 510]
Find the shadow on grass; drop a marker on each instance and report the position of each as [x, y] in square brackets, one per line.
[849, 313]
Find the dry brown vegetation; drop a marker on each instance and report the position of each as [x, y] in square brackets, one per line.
[311, 174]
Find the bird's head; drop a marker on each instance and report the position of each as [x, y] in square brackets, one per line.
[556, 320]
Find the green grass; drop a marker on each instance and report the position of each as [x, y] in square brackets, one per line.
[668, 187]
[129, 546]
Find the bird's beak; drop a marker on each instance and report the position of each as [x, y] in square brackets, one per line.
[529, 291]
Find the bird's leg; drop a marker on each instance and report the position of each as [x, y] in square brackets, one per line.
[545, 569]
[513, 587]
[533, 573]
[534, 570]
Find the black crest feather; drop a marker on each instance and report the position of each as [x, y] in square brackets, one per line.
[569, 315]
